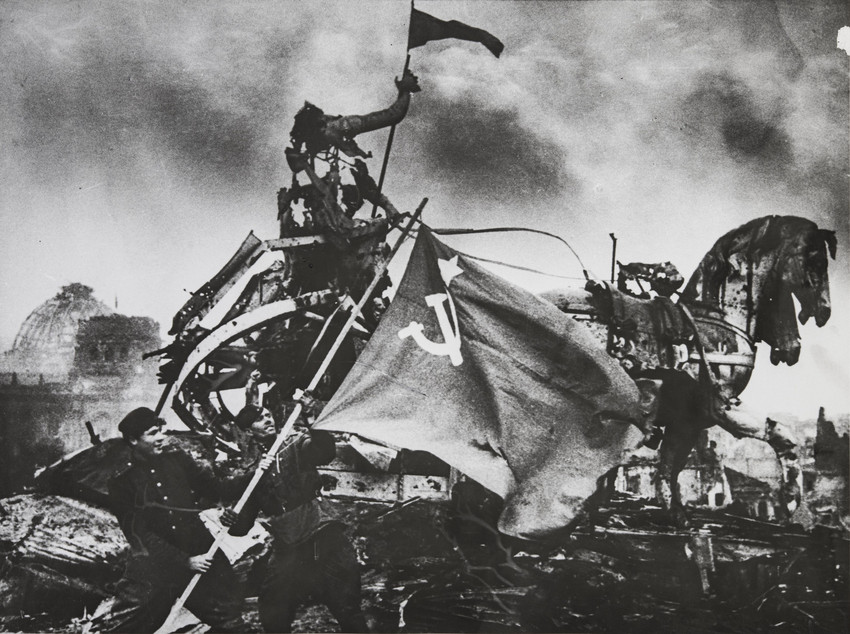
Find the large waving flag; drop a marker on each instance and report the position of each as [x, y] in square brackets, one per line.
[425, 28]
[494, 381]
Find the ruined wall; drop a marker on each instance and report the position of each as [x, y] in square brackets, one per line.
[114, 345]
[831, 490]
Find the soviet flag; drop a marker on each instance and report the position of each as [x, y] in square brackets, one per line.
[494, 381]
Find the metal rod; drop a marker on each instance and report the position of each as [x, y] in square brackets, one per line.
[613, 255]
[165, 392]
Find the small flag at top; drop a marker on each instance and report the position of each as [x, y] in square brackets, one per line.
[425, 28]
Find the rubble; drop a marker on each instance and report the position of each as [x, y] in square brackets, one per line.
[59, 557]
[430, 566]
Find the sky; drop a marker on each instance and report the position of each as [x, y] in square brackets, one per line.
[140, 142]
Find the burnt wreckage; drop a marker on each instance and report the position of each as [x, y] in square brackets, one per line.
[266, 322]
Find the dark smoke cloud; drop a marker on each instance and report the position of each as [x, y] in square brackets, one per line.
[488, 154]
[723, 109]
[760, 133]
[82, 124]
[112, 96]
[210, 139]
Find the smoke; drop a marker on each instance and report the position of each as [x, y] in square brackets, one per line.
[725, 110]
[111, 89]
[489, 155]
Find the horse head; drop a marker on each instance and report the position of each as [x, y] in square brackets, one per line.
[752, 274]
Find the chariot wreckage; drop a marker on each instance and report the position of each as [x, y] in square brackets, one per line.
[520, 409]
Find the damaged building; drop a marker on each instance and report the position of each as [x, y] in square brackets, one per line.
[75, 365]
[826, 477]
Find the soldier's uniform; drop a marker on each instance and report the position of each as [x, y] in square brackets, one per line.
[157, 500]
[312, 558]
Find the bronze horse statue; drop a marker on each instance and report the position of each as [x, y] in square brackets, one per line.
[693, 357]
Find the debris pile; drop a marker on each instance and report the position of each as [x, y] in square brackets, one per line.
[59, 557]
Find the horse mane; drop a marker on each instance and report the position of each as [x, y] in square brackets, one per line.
[781, 251]
[748, 243]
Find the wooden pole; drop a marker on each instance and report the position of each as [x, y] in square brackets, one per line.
[165, 628]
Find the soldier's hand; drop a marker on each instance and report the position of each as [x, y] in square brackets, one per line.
[311, 405]
[200, 563]
[266, 462]
[228, 518]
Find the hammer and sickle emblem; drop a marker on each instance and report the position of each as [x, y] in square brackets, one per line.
[451, 339]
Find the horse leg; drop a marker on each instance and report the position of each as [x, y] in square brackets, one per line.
[743, 423]
[679, 439]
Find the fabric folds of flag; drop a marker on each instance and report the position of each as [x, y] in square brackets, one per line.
[494, 381]
[425, 28]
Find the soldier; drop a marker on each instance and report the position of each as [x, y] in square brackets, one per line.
[157, 499]
[311, 556]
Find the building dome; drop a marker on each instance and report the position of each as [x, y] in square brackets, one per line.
[52, 327]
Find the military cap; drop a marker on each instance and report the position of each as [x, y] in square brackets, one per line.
[138, 421]
[247, 416]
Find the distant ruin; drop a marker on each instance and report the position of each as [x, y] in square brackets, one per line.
[73, 361]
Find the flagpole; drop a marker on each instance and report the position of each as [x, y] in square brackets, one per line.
[165, 628]
[392, 128]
